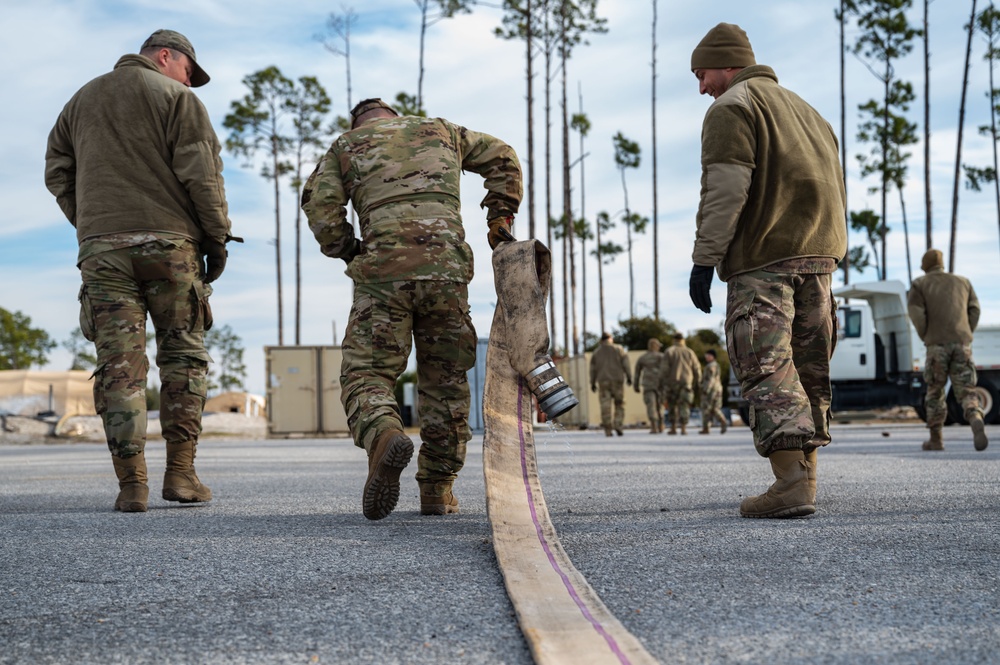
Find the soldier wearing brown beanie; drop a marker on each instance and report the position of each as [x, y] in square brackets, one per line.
[771, 222]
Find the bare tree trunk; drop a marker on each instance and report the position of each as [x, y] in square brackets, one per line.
[906, 238]
[529, 57]
[298, 249]
[548, 163]
[993, 132]
[843, 136]
[277, 233]
[958, 149]
[656, 242]
[628, 235]
[423, 31]
[885, 161]
[927, 128]
[583, 238]
[569, 259]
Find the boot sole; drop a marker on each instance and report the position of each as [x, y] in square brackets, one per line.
[784, 512]
[979, 439]
[381, 493]
[438, 509]
[185, 496]
[130, 507]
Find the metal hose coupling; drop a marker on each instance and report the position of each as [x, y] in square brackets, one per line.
[554, 395]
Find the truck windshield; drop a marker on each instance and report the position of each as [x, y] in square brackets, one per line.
[848, 323]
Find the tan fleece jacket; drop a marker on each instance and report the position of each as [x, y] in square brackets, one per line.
[680, 366]
[134, 150]
[943, 307]
[609, 363]
[771, 187]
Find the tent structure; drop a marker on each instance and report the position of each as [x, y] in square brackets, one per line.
[236, 402]
[28, 393]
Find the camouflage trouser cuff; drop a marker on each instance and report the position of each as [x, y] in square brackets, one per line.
[789, 443]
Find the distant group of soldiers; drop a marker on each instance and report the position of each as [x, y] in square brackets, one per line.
[666, 379]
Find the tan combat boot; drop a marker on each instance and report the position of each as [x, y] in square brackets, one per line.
[673, 428]
[438, 505]
[133, 492]
[812, 459]
[704, 428]
[653, 428]
[978, 432]
[724, 426]
[607, 431]
[790, 495]
[684, 429]
[934, 442]
[180, 482]
[387, 458]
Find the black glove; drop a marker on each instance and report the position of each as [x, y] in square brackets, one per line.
[499, 231]
[628, 382]
[215, 258]
[355, 250]
[593, 387]
[701, 286]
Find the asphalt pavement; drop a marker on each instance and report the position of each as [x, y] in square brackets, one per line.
[900, 564]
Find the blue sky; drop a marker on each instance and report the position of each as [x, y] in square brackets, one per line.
[52, 47]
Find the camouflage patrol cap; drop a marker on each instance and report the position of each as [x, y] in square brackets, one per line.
[366, 105]
[178, 42]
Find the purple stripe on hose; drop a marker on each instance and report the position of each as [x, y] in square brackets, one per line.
[612, 644]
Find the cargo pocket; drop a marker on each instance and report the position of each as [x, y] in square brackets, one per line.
[741, 332]
[88, 325]
[197, 383]
[100, 400]
[202, 310]
[467, 344]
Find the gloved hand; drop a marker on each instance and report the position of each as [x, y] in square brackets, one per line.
[700, 287]
[499, 231]
[215, 258]
[593, 387]
[355, 250]
[628, 382]
[637, 388]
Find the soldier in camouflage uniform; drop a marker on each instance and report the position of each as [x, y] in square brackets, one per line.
[945, 311]
[647, 375]
[134, 164]
[771, 221]
[711, 395]
[609, 369]
[411, 269]
[680, 372]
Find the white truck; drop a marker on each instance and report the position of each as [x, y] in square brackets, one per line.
[879, 359]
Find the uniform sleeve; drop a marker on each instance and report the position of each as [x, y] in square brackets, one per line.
[324, 201]
[973, 309]
[497, 163]
[638, 369]
[696, 368]
[917, 309]
[625, 365]
[60, 168]
[197, 163]
[593, 367]
[728, 159]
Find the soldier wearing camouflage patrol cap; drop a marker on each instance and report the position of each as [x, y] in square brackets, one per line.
[134, 163]
[771, 222]
[945, 311]
[411, 269]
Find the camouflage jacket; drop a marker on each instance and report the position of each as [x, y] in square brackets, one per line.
[647, 370]
[943, 307]
[711, 383]
[134, 151]
[402, 176]
[680, 366]
[609, 363]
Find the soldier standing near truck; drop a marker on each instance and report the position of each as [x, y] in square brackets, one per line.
[945, 311]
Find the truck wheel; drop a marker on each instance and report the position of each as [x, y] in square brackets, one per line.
[989, 401]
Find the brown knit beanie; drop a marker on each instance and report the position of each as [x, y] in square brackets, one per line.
[725, 45]
[932, 259]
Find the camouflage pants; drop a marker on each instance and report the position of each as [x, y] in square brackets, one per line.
[612, 394]
[679, 399]
[654, 407]
[780, 333]
[950, 360]
[119, 288]
[711, 405]
[386, 319]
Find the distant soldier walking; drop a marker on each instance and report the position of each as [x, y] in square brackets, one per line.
[609, 368]
[680, 372]
[134, 164]
[647, 375]
[411, 269]
[771, 221]
[945, 311]
[711, 395]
